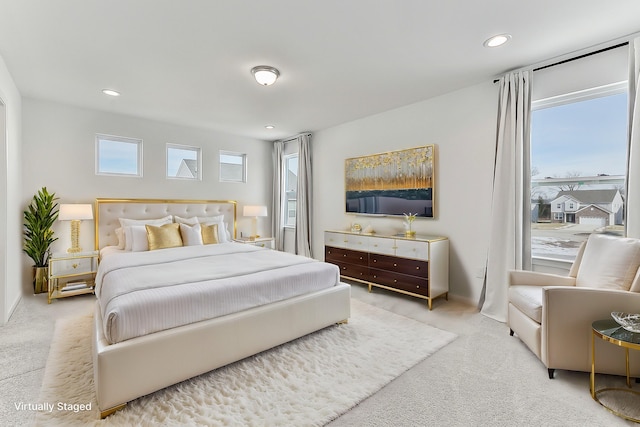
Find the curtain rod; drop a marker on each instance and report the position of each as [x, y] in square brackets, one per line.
[584, 55]
[293, 138]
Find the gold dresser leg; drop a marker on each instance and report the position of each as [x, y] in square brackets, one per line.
[104, 414]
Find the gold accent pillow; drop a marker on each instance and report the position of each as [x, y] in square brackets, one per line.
[165, 236]
[209, 234]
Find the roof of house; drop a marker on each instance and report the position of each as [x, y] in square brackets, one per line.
[590, 196]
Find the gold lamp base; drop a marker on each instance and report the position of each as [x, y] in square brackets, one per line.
[75, 237]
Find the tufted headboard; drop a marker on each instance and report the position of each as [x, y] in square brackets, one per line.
[107, 212]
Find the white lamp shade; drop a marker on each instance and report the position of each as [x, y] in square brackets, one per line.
[71, 212]
[254, 211]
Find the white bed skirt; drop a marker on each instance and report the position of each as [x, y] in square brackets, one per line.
[137, 367]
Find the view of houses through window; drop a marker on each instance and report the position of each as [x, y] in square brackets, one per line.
[291, 189]
[183, 162]
[578, 169]
[233, 167]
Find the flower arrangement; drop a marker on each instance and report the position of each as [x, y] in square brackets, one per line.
[408, 223]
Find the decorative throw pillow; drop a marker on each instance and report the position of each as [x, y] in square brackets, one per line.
[135, 238]
[210, 234]
[191, 234]
[120, 236]
[164, 236]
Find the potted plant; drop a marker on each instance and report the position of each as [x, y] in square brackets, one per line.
[38, 235]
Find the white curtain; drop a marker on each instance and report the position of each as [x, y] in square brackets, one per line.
[633, 168]
[277, 231]
[510, 215]
[304, 197]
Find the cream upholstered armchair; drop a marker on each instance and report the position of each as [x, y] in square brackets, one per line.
[552, 314]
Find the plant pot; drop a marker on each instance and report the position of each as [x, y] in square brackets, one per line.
[40, 280]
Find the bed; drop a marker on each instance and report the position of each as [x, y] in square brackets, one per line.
[240, 300]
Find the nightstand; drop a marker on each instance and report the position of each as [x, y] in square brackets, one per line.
[72, 274]
[264, 242]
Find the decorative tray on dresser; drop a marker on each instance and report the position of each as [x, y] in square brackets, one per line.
[417, 266]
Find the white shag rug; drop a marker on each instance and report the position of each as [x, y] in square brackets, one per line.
[307, 382]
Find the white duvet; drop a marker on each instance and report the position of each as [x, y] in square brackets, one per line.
[146, 292]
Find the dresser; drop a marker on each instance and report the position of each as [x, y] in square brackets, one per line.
[416, 266]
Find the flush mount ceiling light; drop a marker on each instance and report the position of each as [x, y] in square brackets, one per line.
[110, 92]
[269, 127]
[496, 41]
[265, 75]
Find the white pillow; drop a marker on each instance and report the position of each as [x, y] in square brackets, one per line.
[189, 221]
[124, 222]
[121, 238]
[191, 234]
[136, 238]
[223, 233]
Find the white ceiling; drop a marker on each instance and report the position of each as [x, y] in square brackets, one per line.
[187, 62]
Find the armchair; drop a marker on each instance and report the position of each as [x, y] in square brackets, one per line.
[552, 314]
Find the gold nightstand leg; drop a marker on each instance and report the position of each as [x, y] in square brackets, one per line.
[626, 354]
[592, 377]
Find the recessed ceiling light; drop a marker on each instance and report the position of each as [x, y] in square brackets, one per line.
[110, 92]
[498, 40]
[265, 75]
[269, 127]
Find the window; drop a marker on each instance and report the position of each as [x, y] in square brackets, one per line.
[578, 150]
[117, 155]
[233, 167]
[290, 188]
[183, 162]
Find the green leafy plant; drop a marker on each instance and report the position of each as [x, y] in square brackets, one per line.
[39, 218]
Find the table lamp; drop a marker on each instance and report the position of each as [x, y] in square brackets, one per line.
[255, 212]
[75, 213]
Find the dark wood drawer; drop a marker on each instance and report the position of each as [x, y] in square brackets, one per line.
[346, 255]
[417, 285]
[351, 270]
[400, 265]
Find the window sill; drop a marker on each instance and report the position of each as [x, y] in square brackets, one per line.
[551, 265]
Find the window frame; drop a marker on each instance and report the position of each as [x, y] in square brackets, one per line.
[198, 152]
[244, 166]
[556, 101]
[100, 137]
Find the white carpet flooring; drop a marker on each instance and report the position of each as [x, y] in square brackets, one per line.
[308, 382]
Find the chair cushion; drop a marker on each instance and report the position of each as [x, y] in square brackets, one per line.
[527, 299]
[609, 262]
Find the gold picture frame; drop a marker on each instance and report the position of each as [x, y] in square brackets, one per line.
[391, 183]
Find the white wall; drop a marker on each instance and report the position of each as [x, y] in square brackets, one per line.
[11, 210]
[59, 153]
[462, 125]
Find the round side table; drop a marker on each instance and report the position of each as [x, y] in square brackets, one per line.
[610, 331]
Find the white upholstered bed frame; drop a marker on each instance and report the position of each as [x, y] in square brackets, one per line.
[130, 369]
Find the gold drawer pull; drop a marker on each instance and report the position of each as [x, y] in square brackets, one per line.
[344, 255]
[344, 268]
[395, 265]
[375, 260]
[360, 257]
[395, 281]
[74, 265]
[417, 286]
[375, 277]
[417, 268]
